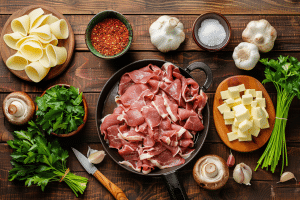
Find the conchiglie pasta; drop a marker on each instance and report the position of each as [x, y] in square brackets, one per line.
[40, 21]
[34, 15]
[17, 62]
[36, 71]
[60, 29]
[31, 50]
[12, 39]
[21, 24]
[43, 32]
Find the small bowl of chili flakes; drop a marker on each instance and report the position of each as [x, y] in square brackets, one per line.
[108, 34]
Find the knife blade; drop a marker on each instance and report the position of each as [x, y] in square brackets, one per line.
[91, 169]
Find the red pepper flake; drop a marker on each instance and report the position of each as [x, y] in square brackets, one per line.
[110, 36]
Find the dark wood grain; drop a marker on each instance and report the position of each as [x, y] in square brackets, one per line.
[89, 74]
[163, 7]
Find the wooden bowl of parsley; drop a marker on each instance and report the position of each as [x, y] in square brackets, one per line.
[61, 110]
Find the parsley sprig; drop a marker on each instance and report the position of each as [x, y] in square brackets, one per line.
[37, 161]
[60, 110]
[285, 75]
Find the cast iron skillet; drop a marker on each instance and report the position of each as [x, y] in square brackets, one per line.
[106, 105]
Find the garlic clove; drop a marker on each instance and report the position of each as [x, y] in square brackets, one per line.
[96, 157]
[242, 173]
[230, 160]
[238, 175]
[90, 151]
[286, 176]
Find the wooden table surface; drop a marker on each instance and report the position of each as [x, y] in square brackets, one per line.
[90, 73]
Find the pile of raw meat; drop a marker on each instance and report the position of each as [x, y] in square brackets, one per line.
[157, 117]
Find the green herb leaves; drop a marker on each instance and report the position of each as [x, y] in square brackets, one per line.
[60, 110]
[37, 161]
[285, 75]
[284, 72]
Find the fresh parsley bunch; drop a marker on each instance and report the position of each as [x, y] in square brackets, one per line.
[285, 75]
[59, 110]
[37, 161]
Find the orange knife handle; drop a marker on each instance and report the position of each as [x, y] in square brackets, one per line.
[112, 188]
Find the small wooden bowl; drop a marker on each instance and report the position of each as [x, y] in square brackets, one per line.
[85, 106]
[100, 17]
[223, 21]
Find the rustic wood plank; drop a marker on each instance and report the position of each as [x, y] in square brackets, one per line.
[89, 132]
[90, 73]
[162, 7]
[263, 184]
[286, 40]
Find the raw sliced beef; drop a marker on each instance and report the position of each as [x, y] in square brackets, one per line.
[158, 114]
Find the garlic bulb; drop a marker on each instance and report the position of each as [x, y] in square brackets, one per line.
[242, 173]
[166, 33]
[260, 33]
[95, 156]
[245, 56]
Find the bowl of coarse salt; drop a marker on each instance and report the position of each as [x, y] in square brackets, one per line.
[211, 31]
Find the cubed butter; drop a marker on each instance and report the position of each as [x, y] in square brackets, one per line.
[232, 136]
[234, 92]
[254, 130]
[265, 111]
[242, 134]
[229, 102]
[246, 139]
[228, 115]
[241, 116]
[237, 101]
[239, 108]
[261, 102]
[242, 87]
[245, 125]
[225, 94]
[247, 99]
[265, 123]
[250, 91]
[257, 112]
[261, 122]
[235, 122]
[223, 108]
[234, 128]
[229, 121]
[254, 103]
[258, 94]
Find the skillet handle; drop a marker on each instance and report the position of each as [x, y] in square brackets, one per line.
[202, 66]
[175, 189]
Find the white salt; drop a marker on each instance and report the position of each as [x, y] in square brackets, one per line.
[211, 32]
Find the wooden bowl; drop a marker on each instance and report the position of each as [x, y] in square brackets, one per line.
[223, 21]
[85, 106]
[100, 17]
[68, 43]
[222, 129]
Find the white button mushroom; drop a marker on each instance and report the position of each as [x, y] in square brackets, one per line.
[166, 33]
[246, 56]
[18, 108]
[260, 33]
[211, 172]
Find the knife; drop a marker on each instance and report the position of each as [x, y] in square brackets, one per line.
[91, 169]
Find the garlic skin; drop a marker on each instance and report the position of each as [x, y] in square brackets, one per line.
[260, 33]
[245, 56]
[242, 174]
[166, 33]
[95, 156]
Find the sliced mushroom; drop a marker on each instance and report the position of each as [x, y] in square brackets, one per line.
[211, 172]
[18, 108]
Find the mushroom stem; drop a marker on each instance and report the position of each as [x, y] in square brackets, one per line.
[16, 109]
[211, 170]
